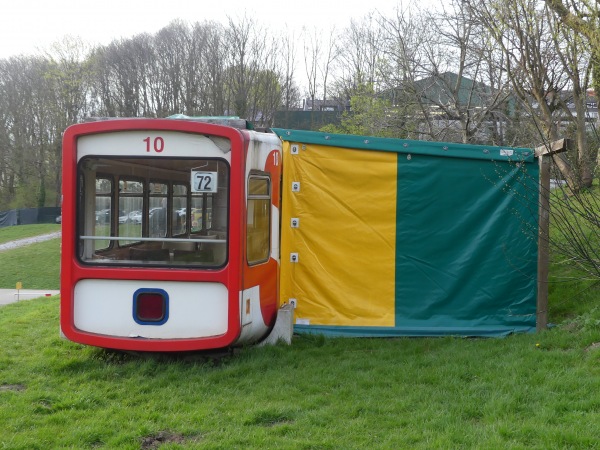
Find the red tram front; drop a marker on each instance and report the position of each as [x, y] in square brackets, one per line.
[170, 234]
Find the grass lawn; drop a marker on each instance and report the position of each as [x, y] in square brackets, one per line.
[525, 391]
[538, 391]
[25, 231]
[37, 266]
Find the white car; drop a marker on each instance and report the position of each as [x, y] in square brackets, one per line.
[123, 217]
[135, 217]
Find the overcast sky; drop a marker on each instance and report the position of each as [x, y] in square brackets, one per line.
[30, 26]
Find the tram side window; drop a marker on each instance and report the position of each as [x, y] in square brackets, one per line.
[103, 214]
[258, 220]
[179, 209]
[131, 202]
[201, 212]
[157, 213]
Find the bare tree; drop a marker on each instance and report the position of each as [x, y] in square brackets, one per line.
[581, 16]
[543, 61]
[329, 56]
[123, 83]
[312, 54]
[67, 95]
[359, 56]
[29, 131]
[575, 57]
[8, 101]
[196, 92]
[266, 93]
[289, 90]
[171, 45]
[213, 62]
[41, 96]
[456, 84]
[18, 153]
[405, 37]
[244, 51]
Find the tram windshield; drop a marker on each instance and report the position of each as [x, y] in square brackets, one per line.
[153, 211]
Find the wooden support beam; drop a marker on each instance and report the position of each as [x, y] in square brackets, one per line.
[551, 148]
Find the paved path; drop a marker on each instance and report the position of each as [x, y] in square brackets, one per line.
[12, 295]
[27, 241]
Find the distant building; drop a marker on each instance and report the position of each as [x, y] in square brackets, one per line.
[591, 103]
[442, 105]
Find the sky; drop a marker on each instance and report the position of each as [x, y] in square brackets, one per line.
[30, 26]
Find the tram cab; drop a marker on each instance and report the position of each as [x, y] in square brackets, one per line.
[170, 234]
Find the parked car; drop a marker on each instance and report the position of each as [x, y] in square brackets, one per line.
[135, 217]
[103, 216]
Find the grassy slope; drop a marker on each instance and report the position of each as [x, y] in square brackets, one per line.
[526, 391]
[37, 266]
[534, 391]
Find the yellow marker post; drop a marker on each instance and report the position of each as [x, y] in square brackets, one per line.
[19, 287]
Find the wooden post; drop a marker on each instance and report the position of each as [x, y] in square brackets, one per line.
[544, 154]
[543, 243]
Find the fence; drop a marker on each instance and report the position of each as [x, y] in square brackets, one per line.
[29, 216]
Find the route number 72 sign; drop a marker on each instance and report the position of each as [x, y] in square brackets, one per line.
[204, 182]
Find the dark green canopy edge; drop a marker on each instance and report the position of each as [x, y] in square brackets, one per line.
[442, 149]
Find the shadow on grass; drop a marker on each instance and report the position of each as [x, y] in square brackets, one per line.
[209, 358]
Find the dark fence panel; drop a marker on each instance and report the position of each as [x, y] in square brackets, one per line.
[306, 120]
[28, 216]
[8, 218]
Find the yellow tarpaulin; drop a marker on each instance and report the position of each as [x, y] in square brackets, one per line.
[338, 259]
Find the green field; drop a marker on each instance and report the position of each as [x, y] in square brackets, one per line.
[24, 231]
[539, 391]
[36, 266]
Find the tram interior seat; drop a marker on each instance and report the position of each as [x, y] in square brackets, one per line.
[145, 254]
[185, 246]
[184, 255]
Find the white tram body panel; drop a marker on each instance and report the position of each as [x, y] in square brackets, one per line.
[196, 310]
